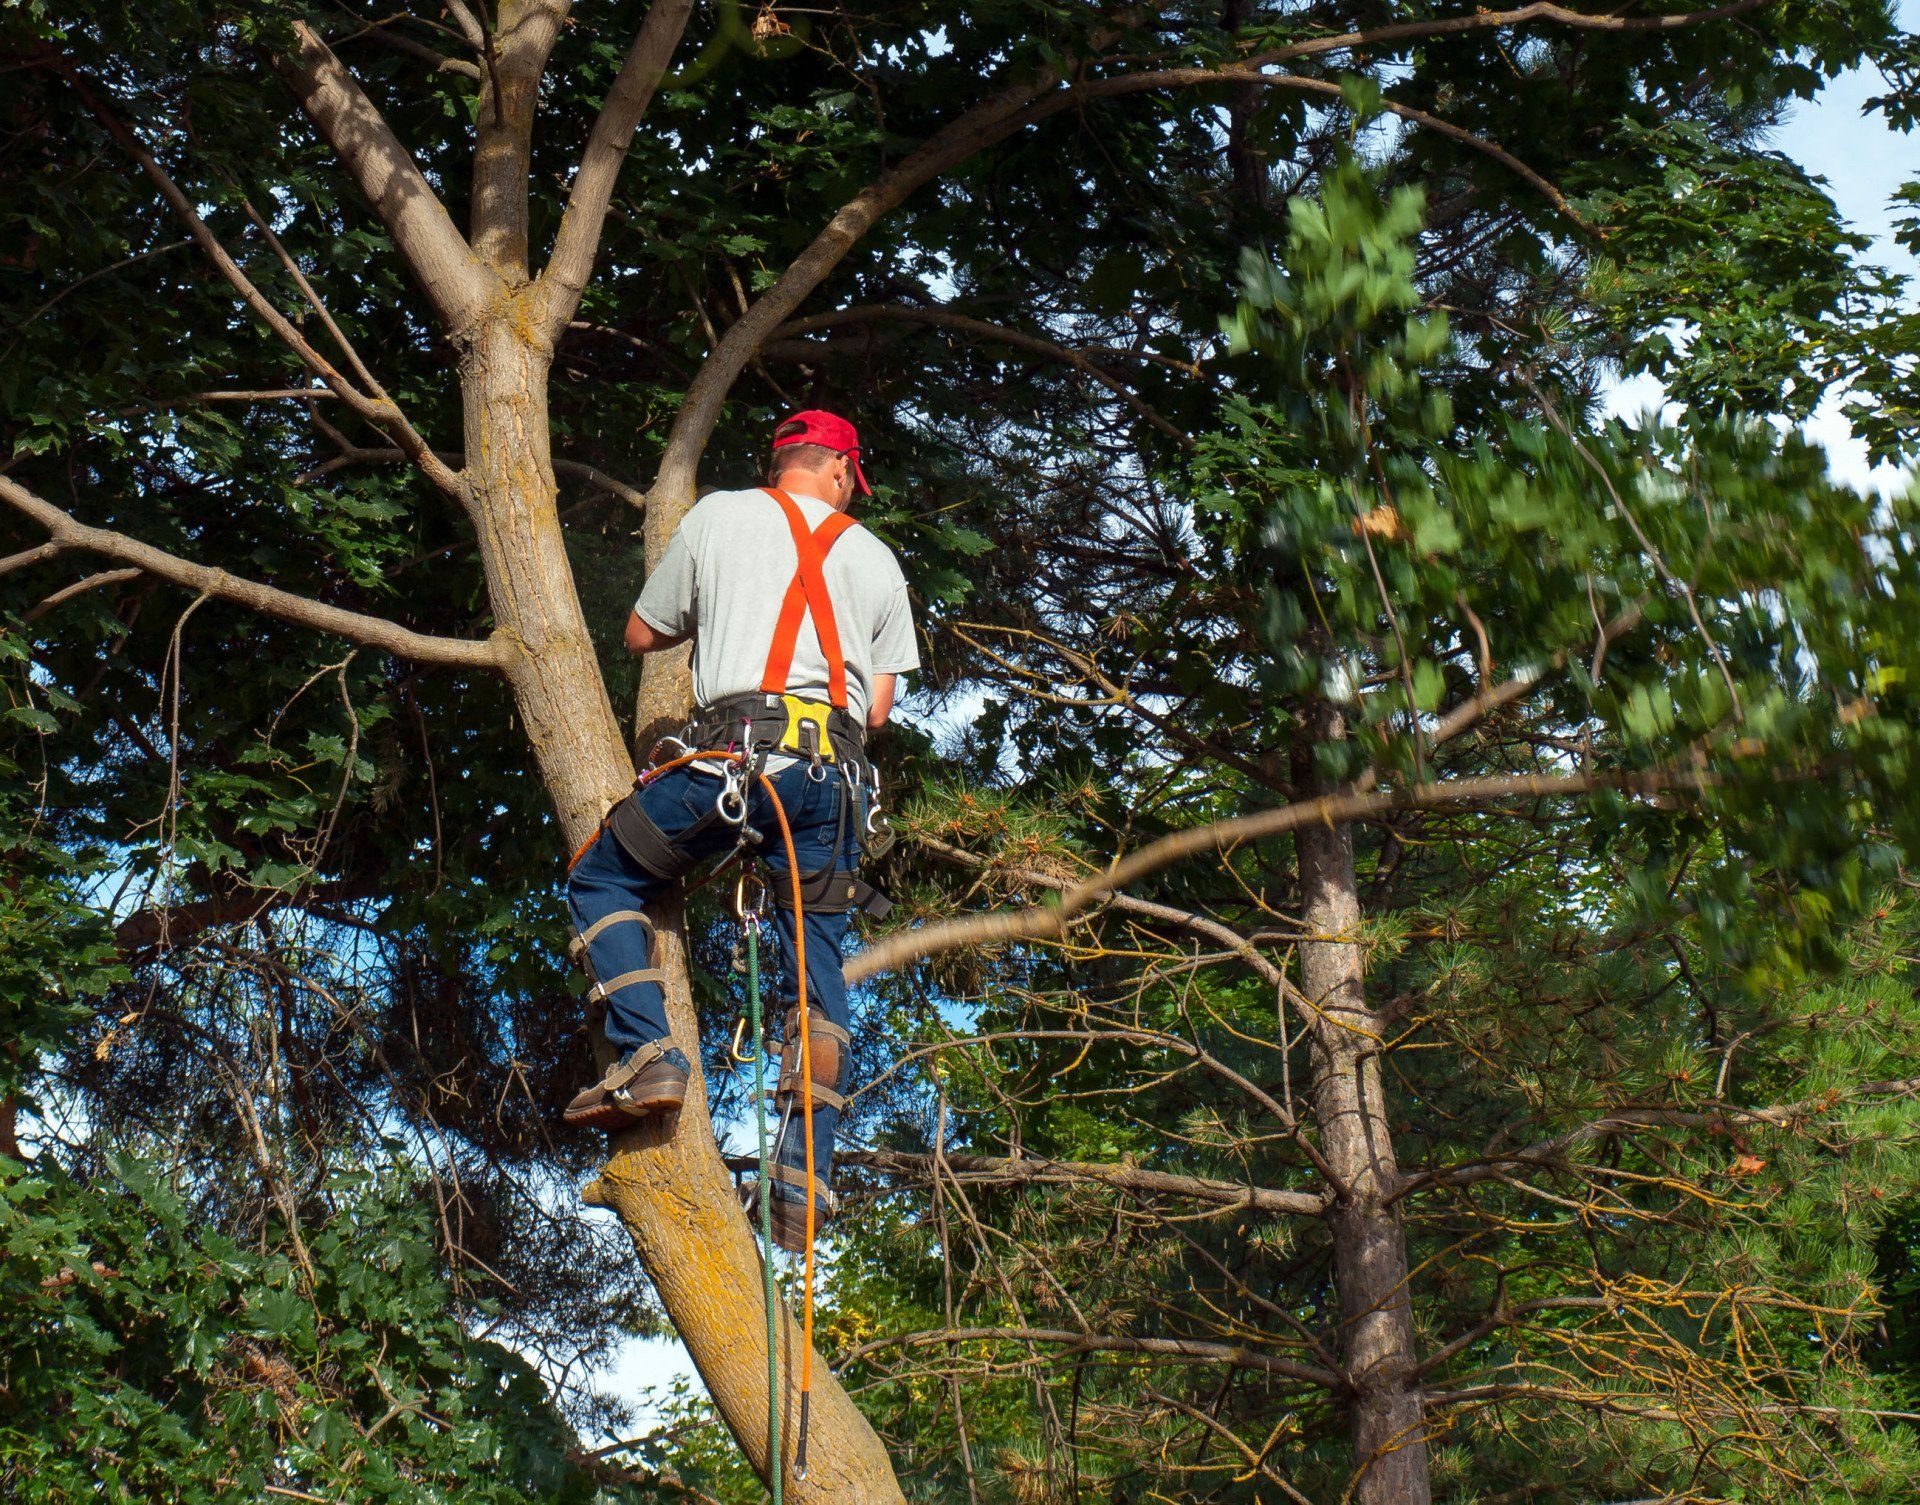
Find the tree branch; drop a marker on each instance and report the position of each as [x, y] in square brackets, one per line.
[79, 588]
[382, 414]
[38, 554]
[1485, 20]
[455, 280]
[1044, 921]
[1630, 1120]
[355, 454]
[1188, 1349]
[578, 240]
[940, 318]
[1200, 925]
[1468, 712]
[516, 56]
[1036, 1170]
[355, 627]
[1019, 105]
[384, 33]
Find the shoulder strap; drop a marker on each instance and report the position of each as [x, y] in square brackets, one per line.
[807, 592]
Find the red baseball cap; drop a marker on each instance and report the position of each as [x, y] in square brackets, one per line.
[830, 431]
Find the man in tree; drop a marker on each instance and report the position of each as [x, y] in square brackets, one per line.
[800, 624]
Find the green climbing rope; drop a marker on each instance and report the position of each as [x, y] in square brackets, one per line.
[776, 1463]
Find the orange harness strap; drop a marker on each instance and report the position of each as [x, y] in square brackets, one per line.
[807, 592]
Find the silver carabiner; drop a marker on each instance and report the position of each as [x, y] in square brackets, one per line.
[731, 803]
[653, 753]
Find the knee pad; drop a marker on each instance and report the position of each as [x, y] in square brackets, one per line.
[828, 1046]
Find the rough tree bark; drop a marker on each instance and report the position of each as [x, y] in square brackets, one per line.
[1344, 1039]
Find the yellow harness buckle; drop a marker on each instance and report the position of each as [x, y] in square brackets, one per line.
[806, 732]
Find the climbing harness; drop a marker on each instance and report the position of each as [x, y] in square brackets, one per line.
[807, 595]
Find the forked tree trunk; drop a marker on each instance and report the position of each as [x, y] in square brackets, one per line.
[665, 1180]
[1384, 1410]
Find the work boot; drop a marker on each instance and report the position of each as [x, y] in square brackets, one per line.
[790, 1208]
[642, 1086]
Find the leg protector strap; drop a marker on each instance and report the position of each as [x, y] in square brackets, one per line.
[601, 991]
[643, 840]
[789, 1175]
[832, 888]
[829, 1043]
[577, 948]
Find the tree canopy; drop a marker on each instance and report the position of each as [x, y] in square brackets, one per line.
[1401, 985]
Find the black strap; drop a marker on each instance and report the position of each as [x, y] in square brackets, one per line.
[641, 838]
[834, 888]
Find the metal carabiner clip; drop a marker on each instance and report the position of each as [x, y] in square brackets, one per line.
[661, 743]
[731, 803]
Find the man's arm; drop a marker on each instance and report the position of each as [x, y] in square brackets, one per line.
[644, 637]
[882, 707]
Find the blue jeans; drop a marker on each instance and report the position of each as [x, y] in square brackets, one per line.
[606, 879]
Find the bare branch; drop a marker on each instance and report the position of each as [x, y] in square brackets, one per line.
[355, 454]
[26, 558]
[1520, 685]
[355, 627]
[940, 318]
[1037, 1170]
[387, 36]
[516, 57]
[79, 588]
[455, 280]
[1180, 1349]
[1043, 921]
[375, 411]
[1198, 924]
[1628, 1120]
[1485, 20]
[578, 240]
[1255, 1461]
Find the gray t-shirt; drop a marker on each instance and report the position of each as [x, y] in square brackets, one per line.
[725, 573]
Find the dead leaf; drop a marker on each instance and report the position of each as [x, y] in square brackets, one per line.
[1382, 522]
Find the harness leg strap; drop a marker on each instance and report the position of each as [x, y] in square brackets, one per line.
[641, 838]
[834, 888]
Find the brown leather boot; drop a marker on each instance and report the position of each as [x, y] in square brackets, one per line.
[642, 1086]
[790, 1212]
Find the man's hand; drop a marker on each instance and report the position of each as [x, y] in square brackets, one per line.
[642, 638]
[882, 706]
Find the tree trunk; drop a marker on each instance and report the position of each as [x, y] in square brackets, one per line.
[665, 1180]
[1385, 1414]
